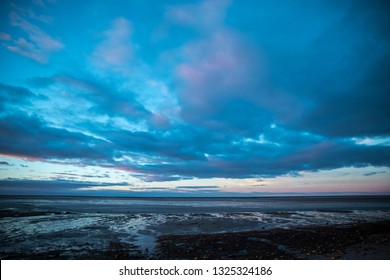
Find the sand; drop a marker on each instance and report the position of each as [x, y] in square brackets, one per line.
[357, 241]
[352, 241]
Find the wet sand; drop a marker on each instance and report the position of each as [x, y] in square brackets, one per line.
[353, 241]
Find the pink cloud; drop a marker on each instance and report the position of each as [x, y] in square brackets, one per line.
[39, 45]
[42, 3]
[27, 49]
[37, 36]
[207, 15]
[30, 14]
[39, 3]
[160, 121]
[222, 56]
[5, 37]
[116, 49]
[220, 66]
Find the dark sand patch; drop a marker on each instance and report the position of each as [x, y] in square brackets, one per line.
[352, 241]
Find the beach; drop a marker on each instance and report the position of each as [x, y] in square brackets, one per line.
[358, 241]
[256, 228]
[349, 241]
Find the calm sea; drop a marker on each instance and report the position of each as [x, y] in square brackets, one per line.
[73, 224]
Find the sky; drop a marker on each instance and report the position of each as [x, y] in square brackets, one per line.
[194, 98]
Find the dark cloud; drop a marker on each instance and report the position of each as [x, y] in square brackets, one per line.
[327, 64]
[175, 145]
[320, 156]
[177, 155]
[69, 187]
[20, 186]
[4, 163]
[29, 136]
[338, 77]
[373, 173]
[12, 96]
[182, 152]
[239, 117]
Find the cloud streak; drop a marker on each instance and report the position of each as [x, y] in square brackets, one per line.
[38, 46]
[61, 187]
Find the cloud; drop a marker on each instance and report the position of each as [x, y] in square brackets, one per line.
[185, 151]
[116, 49]
[254, 160]
[373, 173]
[16, 96]
[31, 137]
[32, 15]
[245, 91]
[39, 3]
[206, 15]
[38, 37]
[16, 93]
[92, 106]
[197, 187]
[43, 3]
[4, 163]
[153, 147]
[39, 45]
[219, 74]
[27, 49]
[19, 186]
[70, 175]
[339, 74]
[104, 98]
[5, 37]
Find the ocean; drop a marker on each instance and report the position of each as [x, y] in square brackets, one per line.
[74, 227]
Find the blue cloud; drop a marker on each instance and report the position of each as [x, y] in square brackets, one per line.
[42, 187]
[373, 173]
[29, 136]
[14, 96]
